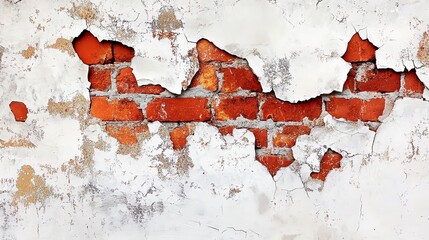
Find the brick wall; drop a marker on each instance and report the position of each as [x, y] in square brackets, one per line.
[226, 93]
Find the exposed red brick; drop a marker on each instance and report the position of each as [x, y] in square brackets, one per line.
[206, 78]
[329, 162]
[359, 50]
[126, 83]
[19, 110]
[235, 79]
[91, 51]
[178, 137]
[350, 83]
[99, 78]
[178, 110]
[126, 134]
[115, 110]
[274, 162]
[208, 52]
[354, 109]
[287, 137]
[412, 83]
[230, 108]
[284, 111]
[383, 80]
[122, 53]
[261, 135]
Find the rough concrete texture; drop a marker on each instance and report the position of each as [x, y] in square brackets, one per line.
[221, 119]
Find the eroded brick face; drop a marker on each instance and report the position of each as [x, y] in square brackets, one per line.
[19, 110]
[178, 110]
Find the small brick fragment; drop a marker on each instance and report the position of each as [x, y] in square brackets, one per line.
[287, 137]
[122, 53]
[261, 135]
[115, 110]
[356, 109]
[178, 110]
[206, 78]
[99, 78]
[359, 50]
[412, 83]
[178, 137]
[274, 162]
[230, 108]
[383, 80]
[19, 110]
[91, 51]
[126, 134]
[282, 111]
[236, 79]
[126, 83]
[329, 162]
[208, 52]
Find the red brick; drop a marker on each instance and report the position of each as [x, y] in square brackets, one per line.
[206, 78]
[236, 79]
[284, 111]
[126, 134]
[383, 80]
[329, 162]
[413, 83]
[356, 109]
[231, 108]
[208, 52]
[178, 110]
[19, 110]
[350, 83]
[178, 137]
[91, 51]
[126, 83]
[122, 53]
[99, 78]
[359, 50]
[261, 135]
[115, 110]
[287, 137]
[274, 162]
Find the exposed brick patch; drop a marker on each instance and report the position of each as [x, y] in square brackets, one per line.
[99, 78]
[356, 109]
[379, 80]
[330, 161]
[412, 83]
[287, 137]
[115, 110]
[274, 162]
[126, 83]
[261, 135]
[178, 137]
[350, 83]
[126, 134]
[206, 78]
[19, 110]
[91, 51]
[235, 79]
[282, 111]
[230, 108]
[208, 52]
[359, 50]
[178, 110]
[122, 53]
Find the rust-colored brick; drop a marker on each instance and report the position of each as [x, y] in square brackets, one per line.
[178, 110]
[208, 52]
[115, 110]
[274, 162]
[99, 78]
[412, 83]
[126, 134]
[19, 110]
[230, 108]
[235, 79]
[359, 50]
[287, 137]
[329, 162]
[206, 78]
[261, 135]
[383, 80]
[356, 109]
[284, 111]
[178, 137]
[91, 51]
[122, 53]
[126, 83]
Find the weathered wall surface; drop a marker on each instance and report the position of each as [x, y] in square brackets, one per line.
[214, 120]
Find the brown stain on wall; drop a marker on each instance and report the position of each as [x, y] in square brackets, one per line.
[423, 52]
[29, 52]
[16, 142]
[86, 11]
[64, 45]
[32, 188]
